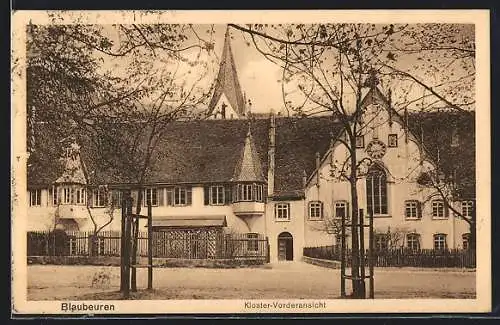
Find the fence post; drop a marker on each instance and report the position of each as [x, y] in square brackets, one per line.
[150, 246]
[268, 251]
[122, 245]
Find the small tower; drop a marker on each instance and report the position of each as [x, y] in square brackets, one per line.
[227, 89]
[70, 190]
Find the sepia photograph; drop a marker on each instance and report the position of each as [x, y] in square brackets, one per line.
[250, 162]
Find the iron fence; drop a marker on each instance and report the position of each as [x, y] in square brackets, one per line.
[403, 257]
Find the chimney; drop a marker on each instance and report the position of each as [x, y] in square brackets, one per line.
[271, 155]
[249, 108]
[304, 179]
[317, 168]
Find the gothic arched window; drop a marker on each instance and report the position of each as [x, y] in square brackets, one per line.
[376, 190]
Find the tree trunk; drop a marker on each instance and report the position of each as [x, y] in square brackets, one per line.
[358, 284]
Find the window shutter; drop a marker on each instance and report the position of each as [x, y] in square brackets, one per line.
[189, 196]
[170, 196]
[161, 196]
[235, 193]
[276, 211]
[419, 209]
[206, 195]
[50, 196]
[322, 211]
[446, 208]
[134, 195]
[227, 194]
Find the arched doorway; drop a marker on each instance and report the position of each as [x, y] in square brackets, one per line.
[285, 247]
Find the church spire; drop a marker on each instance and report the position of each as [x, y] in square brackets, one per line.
[227, 88]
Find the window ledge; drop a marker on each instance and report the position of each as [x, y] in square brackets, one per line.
[439, 218]
[282, 220]
[380, 216]
[413, 219]
[315, 219]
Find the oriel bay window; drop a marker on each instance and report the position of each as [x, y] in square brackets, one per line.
[80, 196]
[249, 192]
[376, 191]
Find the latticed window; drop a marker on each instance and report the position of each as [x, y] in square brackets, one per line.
[244, 192]
[341, 209]
[316, 210]
[467, 207]
[36, 197]
[440, 241]
[182, 196]
[438, 209]
[179, 196]
[151, 196]
[100, 197]
[252, 242]
[249, 192]
[381, 242]
[258, 192]
[80, 196]
[217, 195]
[282, 211]
[412, 209]
[413, 241]
[376, 190]
[67, 193]
[54, 195]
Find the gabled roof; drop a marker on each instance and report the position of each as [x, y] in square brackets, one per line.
[227, 81]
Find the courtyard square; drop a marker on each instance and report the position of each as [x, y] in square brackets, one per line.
[274, 281]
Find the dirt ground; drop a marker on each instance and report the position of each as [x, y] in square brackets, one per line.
[280, 280]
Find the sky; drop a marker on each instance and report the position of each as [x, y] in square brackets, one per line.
[259, 78]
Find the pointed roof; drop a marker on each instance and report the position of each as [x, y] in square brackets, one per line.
[227, 82]
[73, 170]
[248, 167]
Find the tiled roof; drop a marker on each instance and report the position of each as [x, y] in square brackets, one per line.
[248, 167]
[208, 151]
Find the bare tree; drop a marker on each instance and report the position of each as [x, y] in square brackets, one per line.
[327, 67]
[115, 89]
